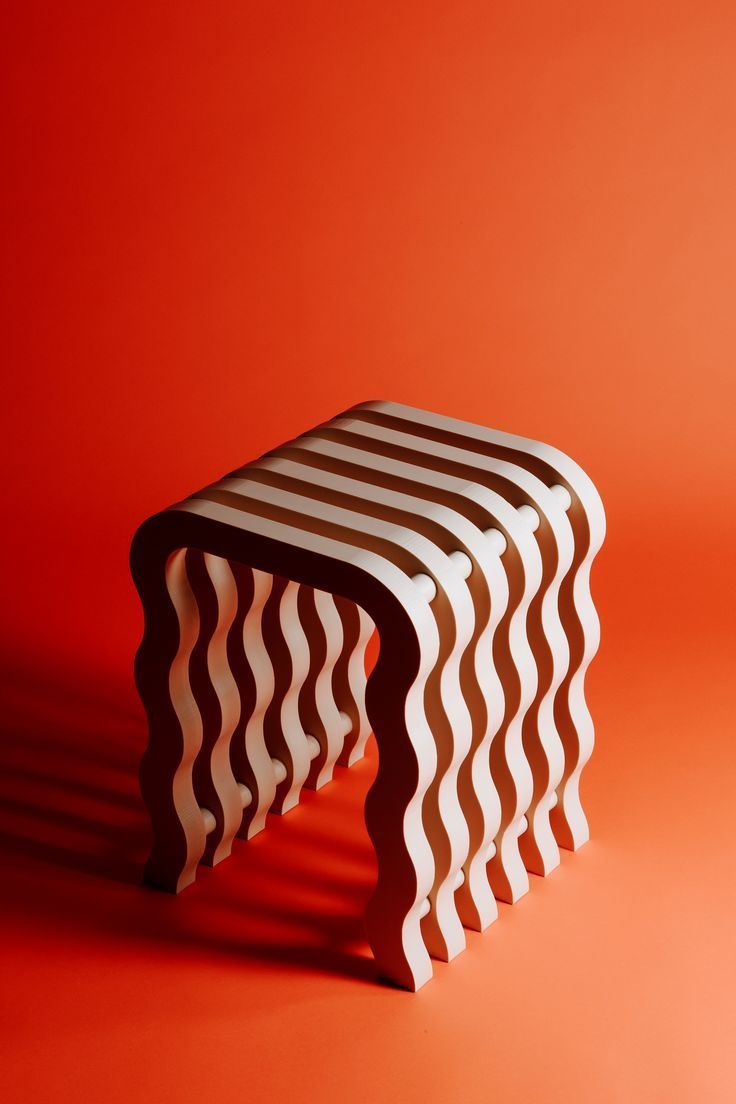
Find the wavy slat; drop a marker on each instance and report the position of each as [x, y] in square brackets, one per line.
[253, 673]
[175, 725]
[288, 650]
[319, 714]
[349, 678]
[218, 700]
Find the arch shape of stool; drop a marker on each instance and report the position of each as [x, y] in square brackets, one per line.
[407, 662]
[260, 594]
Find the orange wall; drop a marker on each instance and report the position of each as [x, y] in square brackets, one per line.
[225, 222]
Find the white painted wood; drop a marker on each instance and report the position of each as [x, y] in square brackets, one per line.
[582, 503]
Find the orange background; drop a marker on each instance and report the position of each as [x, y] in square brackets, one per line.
[224, 223]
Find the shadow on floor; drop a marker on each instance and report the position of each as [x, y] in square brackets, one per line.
[74, 838]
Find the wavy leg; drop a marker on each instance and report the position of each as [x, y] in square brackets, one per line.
[573, 718]
[393, 809]
[253, 674]
[509, 766]
[288, 649]
[542, 741]
[479, 798]
[175, 728]
[349, 678]
[449, 716]
[218, 701]
[318, 711]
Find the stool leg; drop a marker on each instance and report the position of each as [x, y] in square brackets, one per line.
[511, 771]
[573, 718]
[288, 649]
[218, 699]
[393, 811]
[349, 678]
[318, 711]
[252, 670]
[476, 903]
[175, 730]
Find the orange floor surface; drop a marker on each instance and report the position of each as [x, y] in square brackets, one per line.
[223, 224]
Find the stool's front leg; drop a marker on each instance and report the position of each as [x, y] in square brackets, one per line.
[393, 811]
[217, 696]
[174, 725]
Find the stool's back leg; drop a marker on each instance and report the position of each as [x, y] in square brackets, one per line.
[288, 649]
[253, 673]
[349, 678]
[319, 714]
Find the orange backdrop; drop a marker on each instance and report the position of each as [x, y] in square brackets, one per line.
[223, 223]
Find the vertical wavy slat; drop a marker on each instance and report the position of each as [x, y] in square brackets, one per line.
[542, 740]
[175, 729]
[478, 794]
[318, 712]
[218, 701]
[349, 678]
[568, 819]
[253, 674]
[288, 650]
[395, 700]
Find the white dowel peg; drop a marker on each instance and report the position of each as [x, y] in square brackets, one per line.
[562, 495]
[530, 516]
[496, 540]
[346, 723]
[426, 585]
[462, 562]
